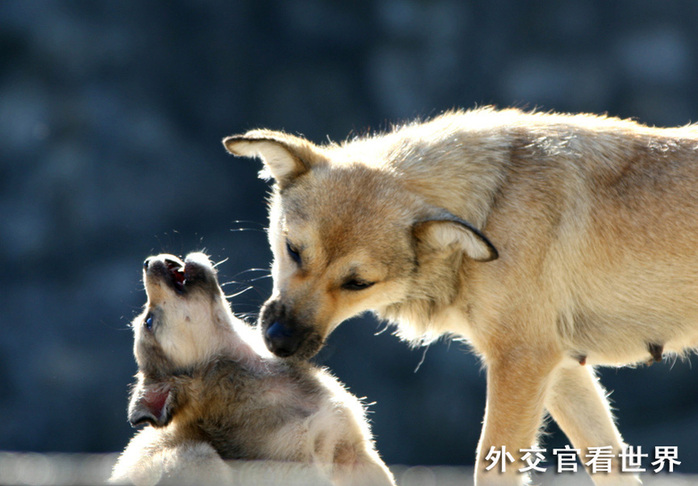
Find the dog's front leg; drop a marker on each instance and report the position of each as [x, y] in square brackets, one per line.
[517, 380]
[578, 404]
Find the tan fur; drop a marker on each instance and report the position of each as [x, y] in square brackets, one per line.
[212, 394]
[593, 223]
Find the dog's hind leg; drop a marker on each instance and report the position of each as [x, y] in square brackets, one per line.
[577, 402]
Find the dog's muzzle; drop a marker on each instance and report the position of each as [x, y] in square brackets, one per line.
[282, 340]
[284, 335]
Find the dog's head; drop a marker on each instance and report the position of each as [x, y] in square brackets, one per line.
[347, 237]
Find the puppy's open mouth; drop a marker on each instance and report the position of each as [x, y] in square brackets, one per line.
[180, 276]
[177, 273]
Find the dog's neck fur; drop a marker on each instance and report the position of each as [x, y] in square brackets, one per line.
[431, 307]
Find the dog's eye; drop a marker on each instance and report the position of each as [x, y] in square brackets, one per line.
[148, 322]
[293, 253]
[355, 284]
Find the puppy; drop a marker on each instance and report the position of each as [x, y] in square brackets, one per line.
[211, 393]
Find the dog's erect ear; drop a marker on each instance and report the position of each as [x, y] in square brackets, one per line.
[285, 156]
[152, 403]
[447, 230]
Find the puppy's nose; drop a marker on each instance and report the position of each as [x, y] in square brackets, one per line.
[281, 340]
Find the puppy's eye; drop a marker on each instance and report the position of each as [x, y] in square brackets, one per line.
[148, 322]
[356, 284]
[293, 253]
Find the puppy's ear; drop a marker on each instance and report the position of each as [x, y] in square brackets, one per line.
[152, 403]
[285, 156]
[446, 230]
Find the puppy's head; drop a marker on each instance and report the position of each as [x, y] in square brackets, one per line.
[186, 318]
[347, 237]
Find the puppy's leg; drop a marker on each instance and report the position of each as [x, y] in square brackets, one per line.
[577, 402]
[194, 463]
[517, 382]
[140, 462]
[366, 470]
[153, 457]
[285, 473]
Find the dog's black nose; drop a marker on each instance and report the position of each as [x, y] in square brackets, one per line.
[281, 340]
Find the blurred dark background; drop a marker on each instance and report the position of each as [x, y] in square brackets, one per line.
[111, 117]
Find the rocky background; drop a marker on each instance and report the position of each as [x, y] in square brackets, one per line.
[111, 116]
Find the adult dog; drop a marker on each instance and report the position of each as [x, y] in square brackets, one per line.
[210, 394]
[551, 242]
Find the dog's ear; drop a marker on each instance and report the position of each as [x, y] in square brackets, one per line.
[152, 403]
[285, 156]
[447, 230]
